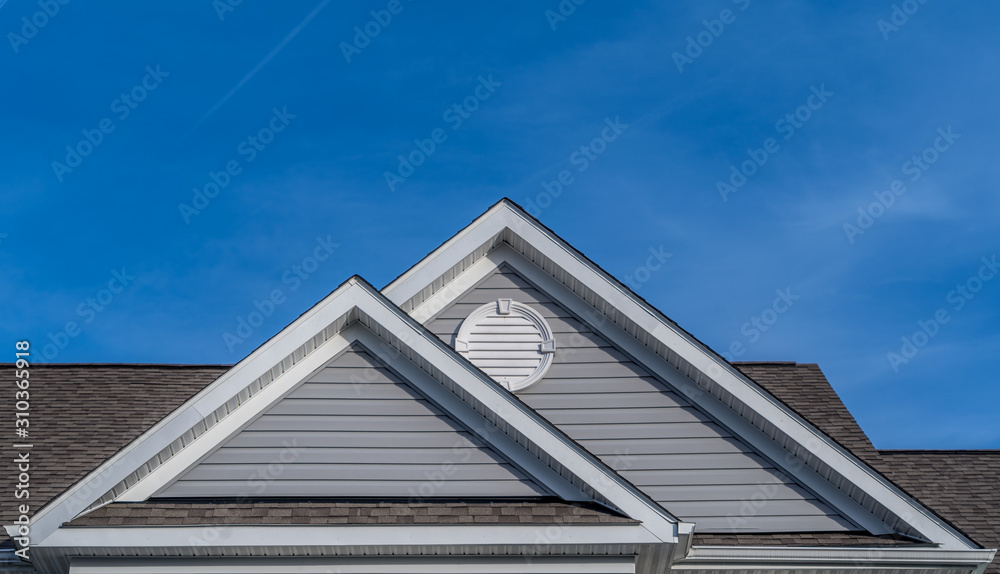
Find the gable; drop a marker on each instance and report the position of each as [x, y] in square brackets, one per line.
[355, 429]
[507, 234]
[157, 465]
[656, 438]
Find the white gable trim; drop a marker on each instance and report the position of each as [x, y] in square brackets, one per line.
[467, 416]
[167, 473]
[268, 360]
[368, 565]
[346, 536]
[453, 257]
[353, 298]
[505, 255]
[738, 559]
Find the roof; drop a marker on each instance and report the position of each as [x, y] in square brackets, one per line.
[804, 389]
[801, 539]
[353, 512]
[82, 414]
[963, 486]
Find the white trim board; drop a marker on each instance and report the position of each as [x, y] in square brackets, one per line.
[345, 536]
[741, 559]
[368, 565]
[558, 258]
[355, 298]
[277, 354]
[505, 255]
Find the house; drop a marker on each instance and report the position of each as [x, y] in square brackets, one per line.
[502, 406]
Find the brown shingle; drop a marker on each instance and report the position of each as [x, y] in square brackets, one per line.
[333, 512]
[81, 415]
[962, 486]
[804, 389]
[84, 414]
[801, 539]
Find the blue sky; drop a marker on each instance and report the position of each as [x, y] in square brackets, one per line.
[832, 106]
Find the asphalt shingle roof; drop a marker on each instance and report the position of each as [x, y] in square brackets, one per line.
[82, 414]
[961, 486]
[804, 388]
[354, 512]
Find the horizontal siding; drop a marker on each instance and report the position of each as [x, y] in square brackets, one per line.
[356, 440]
[415, 455]
[607, 447]
[344, 471]
[650, 414]
[762, 523]
[263, 486]
[655, 437]
[354, 430]
[706, 508]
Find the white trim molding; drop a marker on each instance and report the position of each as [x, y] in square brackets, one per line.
[323, 328]
[902, 559]
[852, 486]
[368, 565]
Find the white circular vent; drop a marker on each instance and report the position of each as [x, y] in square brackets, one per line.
[509, 341]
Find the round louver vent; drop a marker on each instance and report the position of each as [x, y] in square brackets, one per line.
[509, 341]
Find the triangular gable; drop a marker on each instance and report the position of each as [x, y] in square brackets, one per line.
[506, 234]
[355, 429]
[357, 313]
[655, 437]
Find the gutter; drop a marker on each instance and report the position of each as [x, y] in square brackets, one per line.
[742, 557]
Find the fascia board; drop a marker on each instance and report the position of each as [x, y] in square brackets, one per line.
[686, 387]
[355, 294]
[318, 535]
[457, 408]
[505, 216]
[448, 254]
[165, 474]
[84, 492]
[531, 425]
[818, 557]
[367, 565]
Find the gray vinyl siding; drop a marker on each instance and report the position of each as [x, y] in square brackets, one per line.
[355, 429]
[654, 437]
